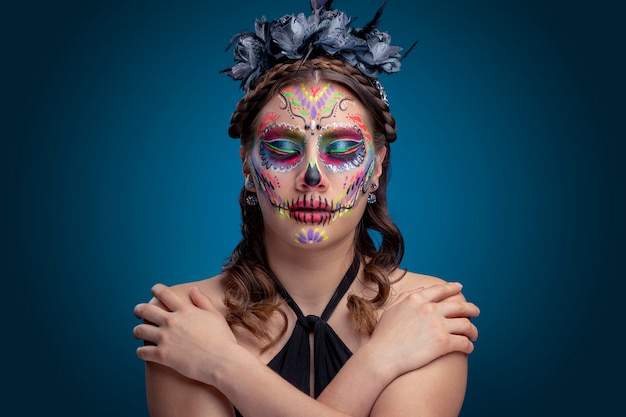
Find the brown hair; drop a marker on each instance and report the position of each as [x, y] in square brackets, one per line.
[251, 295]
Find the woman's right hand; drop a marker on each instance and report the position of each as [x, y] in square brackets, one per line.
[422, 325]
[181, 333]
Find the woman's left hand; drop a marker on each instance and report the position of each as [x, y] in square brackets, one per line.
[192, 338]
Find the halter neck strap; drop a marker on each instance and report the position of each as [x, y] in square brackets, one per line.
[308, 322]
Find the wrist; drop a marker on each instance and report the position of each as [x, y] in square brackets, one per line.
[380, 363]
[362, 379]
[230, 367]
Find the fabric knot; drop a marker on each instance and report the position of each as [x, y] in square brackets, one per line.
[308, 322]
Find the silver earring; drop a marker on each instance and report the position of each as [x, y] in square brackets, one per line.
[371, 198]
[252, 200]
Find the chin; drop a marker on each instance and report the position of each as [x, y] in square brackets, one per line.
[310, 235]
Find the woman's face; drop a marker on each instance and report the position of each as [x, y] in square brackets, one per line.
[313, 162]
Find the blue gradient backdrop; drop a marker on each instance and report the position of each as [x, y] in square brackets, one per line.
[119, 174]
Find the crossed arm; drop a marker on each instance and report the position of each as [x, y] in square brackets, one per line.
[414, 364]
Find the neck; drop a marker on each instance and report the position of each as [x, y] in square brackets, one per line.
[310, 275]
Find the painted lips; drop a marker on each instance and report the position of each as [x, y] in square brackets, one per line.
[315, 211]
[310, 216]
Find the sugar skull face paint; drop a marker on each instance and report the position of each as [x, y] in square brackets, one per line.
[313, 159]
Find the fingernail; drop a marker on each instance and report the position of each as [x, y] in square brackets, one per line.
[458, 284]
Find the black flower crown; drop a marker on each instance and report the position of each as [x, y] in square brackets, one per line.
[325, 32]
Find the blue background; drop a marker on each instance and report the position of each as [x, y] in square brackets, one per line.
[119, 174]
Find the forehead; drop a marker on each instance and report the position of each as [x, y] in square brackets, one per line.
[323, 102]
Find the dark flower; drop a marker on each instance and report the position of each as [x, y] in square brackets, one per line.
[290, 34]
[325, 32]
[335, 34]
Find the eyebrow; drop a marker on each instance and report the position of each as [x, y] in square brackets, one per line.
[281, 132]
[351, 132]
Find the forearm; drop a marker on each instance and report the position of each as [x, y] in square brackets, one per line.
[358, 384]
[257, 391]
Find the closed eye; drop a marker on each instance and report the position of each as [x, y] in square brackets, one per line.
[282, 147]
[343, 147]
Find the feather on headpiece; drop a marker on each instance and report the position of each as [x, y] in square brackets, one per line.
[325, 32]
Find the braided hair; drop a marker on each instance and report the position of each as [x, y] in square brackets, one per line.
[251, 295]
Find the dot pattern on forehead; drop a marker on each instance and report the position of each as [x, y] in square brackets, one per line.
[314, 97]
[313, 104]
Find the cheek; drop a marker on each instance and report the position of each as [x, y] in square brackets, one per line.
[357, 184]
[269, 183]
[267, 179]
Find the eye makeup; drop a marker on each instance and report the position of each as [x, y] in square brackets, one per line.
[342, 147]
[282, 147]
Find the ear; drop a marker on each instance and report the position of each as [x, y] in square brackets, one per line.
[245, 168]
[380, 157]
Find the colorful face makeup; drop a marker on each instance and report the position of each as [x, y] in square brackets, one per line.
[282, 147]
[310, 236]
[342, 147]
[314, 156]
[313, 104]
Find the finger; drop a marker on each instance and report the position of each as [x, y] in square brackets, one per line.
[464, 327]
[202, 301]
[457, 308]
[440, 292]
[435, 293]
[461, 344]
[150, 313]
[404, 295]
[146, 332]
[167, 296]
[148, 353]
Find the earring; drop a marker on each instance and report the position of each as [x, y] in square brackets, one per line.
[374, 186]
[252, 200]
[249, 184]
[371, 198]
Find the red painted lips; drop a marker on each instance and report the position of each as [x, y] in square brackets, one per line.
[313, 217]
[315, 211]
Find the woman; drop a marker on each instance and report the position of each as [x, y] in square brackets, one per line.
[310, 316]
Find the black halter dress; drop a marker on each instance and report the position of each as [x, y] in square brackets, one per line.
[293, 362]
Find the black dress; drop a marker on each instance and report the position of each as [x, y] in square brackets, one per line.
[330, 353]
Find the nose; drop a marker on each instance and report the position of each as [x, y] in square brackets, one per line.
[312, 177]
